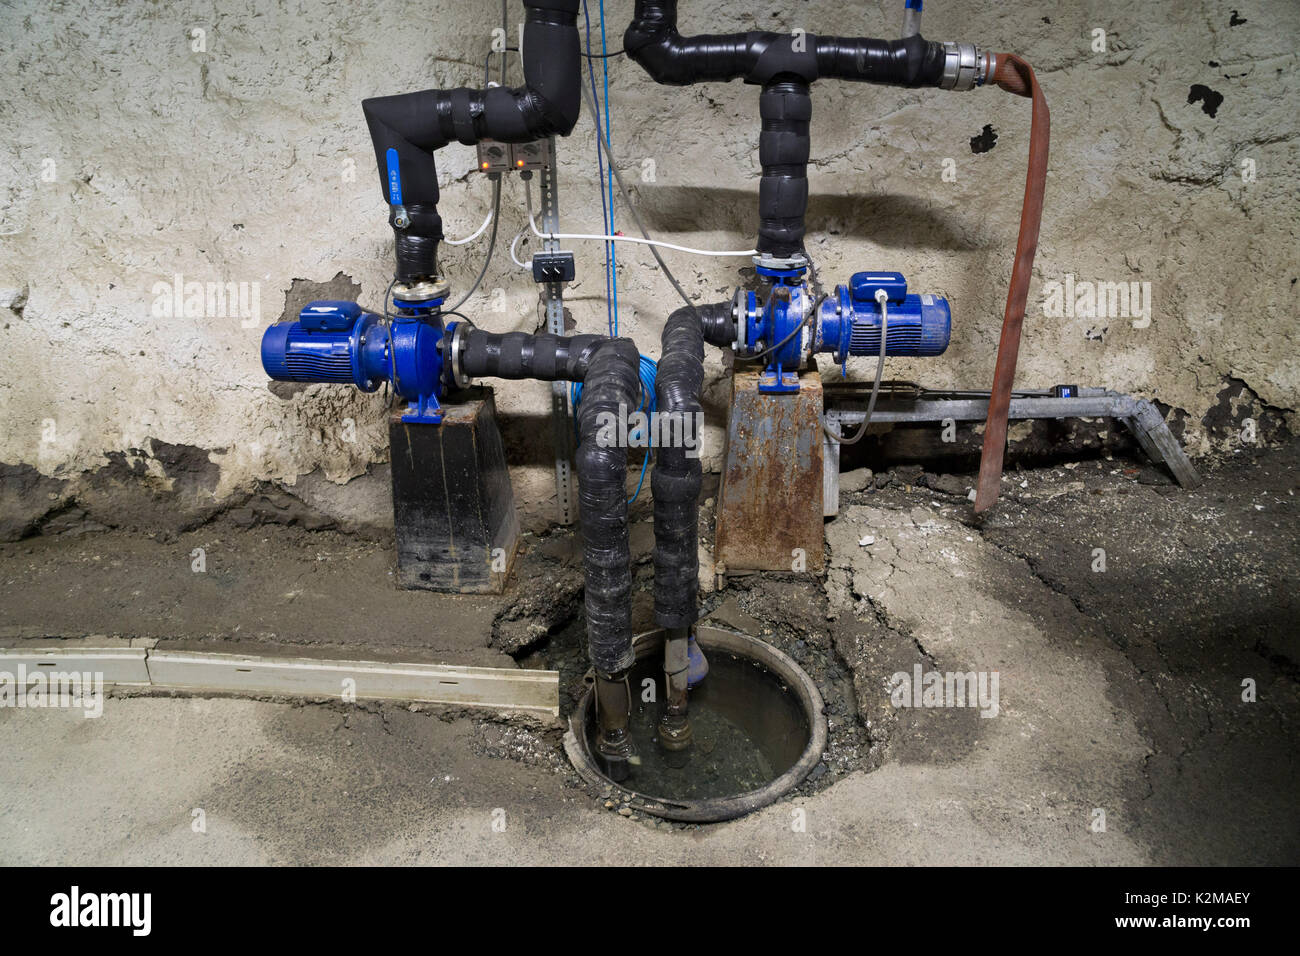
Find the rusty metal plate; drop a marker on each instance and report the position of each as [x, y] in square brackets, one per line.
[770, 503]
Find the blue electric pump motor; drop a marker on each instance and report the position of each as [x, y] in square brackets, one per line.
[846, 323]
[849, 324]
[338, 341]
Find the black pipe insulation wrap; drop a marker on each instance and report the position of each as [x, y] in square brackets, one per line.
[416, 244]
[759, 57]
[610, 372]
[785, 65]
[518, 355]
[718, 323]
[612, 386]
[785, 107]
[414, 125]
[676, 478]
[911, 61]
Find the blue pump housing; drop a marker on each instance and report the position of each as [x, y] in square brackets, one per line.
[339, 342]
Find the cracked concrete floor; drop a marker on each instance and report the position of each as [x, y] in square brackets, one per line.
[1120, 690]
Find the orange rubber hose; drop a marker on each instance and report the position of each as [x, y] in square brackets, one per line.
[1015, 76]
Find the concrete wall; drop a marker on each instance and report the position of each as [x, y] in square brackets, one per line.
[131, 157]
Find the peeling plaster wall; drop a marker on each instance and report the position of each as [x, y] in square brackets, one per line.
[131, 158]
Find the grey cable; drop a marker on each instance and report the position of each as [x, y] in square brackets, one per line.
[496, 185]
[627, 199]
[492, 244]
[883, 298]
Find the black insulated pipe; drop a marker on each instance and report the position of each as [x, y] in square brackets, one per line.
[785, 107]
[610, 392]
[785, 65]
[760, 56]
[675, 480]
[677, 474]
[676, 485]
[718, 323]
[610, 372]
[417, 230]
[518, 355]
[414, 125]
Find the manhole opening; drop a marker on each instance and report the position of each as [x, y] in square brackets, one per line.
[757, 722]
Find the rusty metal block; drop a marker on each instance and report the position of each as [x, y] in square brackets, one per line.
[770, 503]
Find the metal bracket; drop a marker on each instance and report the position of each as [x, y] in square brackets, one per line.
[553, 295]
[775, 381]
[913, 404]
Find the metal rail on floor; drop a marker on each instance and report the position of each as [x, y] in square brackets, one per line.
[513, 690]
[905, 403]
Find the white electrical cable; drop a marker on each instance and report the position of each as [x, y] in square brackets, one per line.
[644, 242]
[513, 243]
[474, 235]
[746, 253]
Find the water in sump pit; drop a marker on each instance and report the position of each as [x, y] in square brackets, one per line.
[748, 729]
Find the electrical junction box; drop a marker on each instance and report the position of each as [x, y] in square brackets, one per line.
[494, 157]
[554, 267]
[533, 155]
[864, 286]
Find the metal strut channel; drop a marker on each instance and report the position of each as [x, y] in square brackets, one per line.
[553, 294]
[911, 404]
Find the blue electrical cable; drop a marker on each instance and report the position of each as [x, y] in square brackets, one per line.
[611, 316]
[649, 368]
[611, 255]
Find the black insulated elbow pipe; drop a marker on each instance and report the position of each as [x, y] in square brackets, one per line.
[609, 393]
[718, 324]
[609, 369]
[407, 128]
[676, 485]
[677, 475]
[610, 372]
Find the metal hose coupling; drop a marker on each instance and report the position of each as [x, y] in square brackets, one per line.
[965, 66]
[613, 714]
[674, 725]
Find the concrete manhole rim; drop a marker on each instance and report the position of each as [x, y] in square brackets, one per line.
[715, 809]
